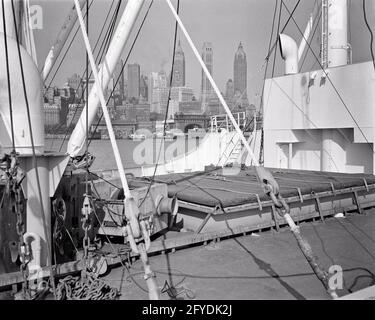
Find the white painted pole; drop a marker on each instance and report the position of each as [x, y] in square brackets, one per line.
[122, 33]
[10, 27]
[337, 33]
[60, 40]
[103, 104]
[290, 155]
[131, 207]
[214, 86]
[305, 247]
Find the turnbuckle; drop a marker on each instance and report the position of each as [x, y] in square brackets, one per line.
[145, 237]
[280, 204]
[272, 189]
[86, 211]
[135, 229]
[83, 162]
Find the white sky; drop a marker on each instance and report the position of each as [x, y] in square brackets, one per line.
[223, 22]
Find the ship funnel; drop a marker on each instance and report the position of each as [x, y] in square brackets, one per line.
[289, 52]
[34, 90]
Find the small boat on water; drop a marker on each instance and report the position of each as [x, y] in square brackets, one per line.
[137, 137]
[196, 133]
[168, 135]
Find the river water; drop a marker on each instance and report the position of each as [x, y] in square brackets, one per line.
[133, 153]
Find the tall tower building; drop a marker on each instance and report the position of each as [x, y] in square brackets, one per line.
[240, 72]
[229, 91]
[206, 88]
[153, 82]
[178, 79]
[134, 79]
[158, 91]
[144, 87]
[119, 89]
[163, 79]
[75, 82]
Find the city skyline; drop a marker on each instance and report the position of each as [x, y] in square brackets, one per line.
[137, 83]
[224, 23]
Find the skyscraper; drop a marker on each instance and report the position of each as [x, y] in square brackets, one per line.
[75, 82]
[182, 94]
[229, 92]
[206, 88]
[144, 87]
[118, 77]
[240, 72]
[134, 76]
[178, 79]
[153, 82]
[163, 79]
[158, 92]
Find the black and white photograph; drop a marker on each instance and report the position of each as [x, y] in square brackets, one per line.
[197, 152]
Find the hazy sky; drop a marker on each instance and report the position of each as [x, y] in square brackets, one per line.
[223, 22]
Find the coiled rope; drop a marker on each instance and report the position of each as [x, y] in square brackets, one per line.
[85, 287]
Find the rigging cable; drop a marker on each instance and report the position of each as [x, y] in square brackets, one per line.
[116, 252]
[71, 43]
[103, 48]
[270, 50]
[277, 37]
[48, 242]
[269, 47]
[167, 109]
[12, 184]
[261, 157]
[350, 22]
[86, 210]
[99, 56]
[66, 52]
[105, 180]
[331, 82]
[370, 30]
[311, 40]
[8, 78]
[87, 101]
[122, 69]
[283, 29]
[80, 82]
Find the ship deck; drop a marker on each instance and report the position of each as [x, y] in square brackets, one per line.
[231, 187]
[251, 256]
[232, 200]
[267, 265]
[234, 244]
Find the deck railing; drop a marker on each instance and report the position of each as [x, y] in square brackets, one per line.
[222, 121]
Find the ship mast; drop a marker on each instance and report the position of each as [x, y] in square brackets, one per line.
[120, 38]
[60, 41]
[335, 46]
[324, 45]
[334, 54]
